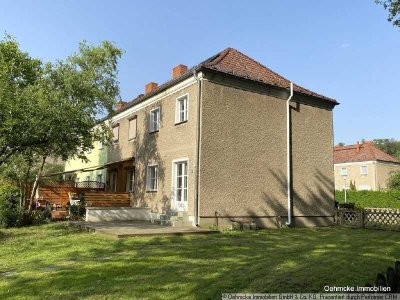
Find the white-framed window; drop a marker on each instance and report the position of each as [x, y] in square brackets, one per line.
[152, 178]
[130, 180]
[115, 133]
[77, 179]
[181, 181]
[181, 110]
[88, 178]
[343, 171]
[364, 170]
[154, 120]
[132, 128]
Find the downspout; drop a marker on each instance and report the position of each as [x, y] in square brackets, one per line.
[288, 159]
[197, 171]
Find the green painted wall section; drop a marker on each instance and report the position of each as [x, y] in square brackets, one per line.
[97, 157]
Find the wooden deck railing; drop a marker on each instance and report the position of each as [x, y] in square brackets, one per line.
[102, 199]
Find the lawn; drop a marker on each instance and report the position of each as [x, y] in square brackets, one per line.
[55, 261]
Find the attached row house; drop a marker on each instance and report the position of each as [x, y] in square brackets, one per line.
[226, 139]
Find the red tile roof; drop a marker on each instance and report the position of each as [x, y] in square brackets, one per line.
[233, 62]
[367, 151]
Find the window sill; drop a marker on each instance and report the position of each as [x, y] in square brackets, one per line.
[151, 191]
[152, 132]
[182, 122]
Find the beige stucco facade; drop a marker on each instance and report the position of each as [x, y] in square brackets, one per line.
[375, 179]
[242, 152]
[243, 156]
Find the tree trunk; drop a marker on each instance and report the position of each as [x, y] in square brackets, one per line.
[35, 184]
[25, 185]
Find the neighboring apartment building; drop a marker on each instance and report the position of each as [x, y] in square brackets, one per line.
[366, 166]
[212, 142]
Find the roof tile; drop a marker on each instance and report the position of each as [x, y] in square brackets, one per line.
[367, 151]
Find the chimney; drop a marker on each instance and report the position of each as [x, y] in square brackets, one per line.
[120, 105]
[178, 71]
[358, 147]
[150, 87]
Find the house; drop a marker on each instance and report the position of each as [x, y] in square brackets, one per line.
[364, 165]
[214, 142]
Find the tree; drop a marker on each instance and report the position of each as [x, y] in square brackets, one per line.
[390, 146]
[393, 7]
[52, 109]
[393, 182]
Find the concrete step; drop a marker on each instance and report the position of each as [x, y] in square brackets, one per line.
[181, 224]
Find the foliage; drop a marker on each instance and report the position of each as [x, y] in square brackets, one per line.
[347, 205]
[11, 214]
[393, 182]
[364, 199]
[188, 266]
[393, 7]
[20, 169]
[353, 185]
[52, 108]
[77, 211]
[390, 146]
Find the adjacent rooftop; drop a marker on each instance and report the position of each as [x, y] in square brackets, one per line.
[365, 151]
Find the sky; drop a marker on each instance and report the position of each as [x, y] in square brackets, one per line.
[346, 50]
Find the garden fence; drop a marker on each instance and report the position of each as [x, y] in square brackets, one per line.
[377, 218]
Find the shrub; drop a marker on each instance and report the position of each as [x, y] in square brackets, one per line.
[77, 211]
[363, 199]
[393, 182]
[11, 215]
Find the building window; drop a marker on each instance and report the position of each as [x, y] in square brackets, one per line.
[99, 178]
[132, 129]
[88, 178]
[343, 171]
[115, 133]
[181, 111]
[130, 179]
[100, 145]
[364, 170]
[152, 178]
[364, 188]
[154, 120]
[181, 181]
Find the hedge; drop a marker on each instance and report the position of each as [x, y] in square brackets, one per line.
[362, 199]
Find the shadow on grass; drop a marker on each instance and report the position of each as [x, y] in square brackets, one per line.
[202, 267]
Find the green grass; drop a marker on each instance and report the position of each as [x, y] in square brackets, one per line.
[56, 262]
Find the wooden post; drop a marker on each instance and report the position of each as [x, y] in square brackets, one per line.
[362, 225]
[341, 221]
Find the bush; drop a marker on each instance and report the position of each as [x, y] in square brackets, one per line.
[393, 182]
[11, 215]
[378, 199]
[77, 211]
